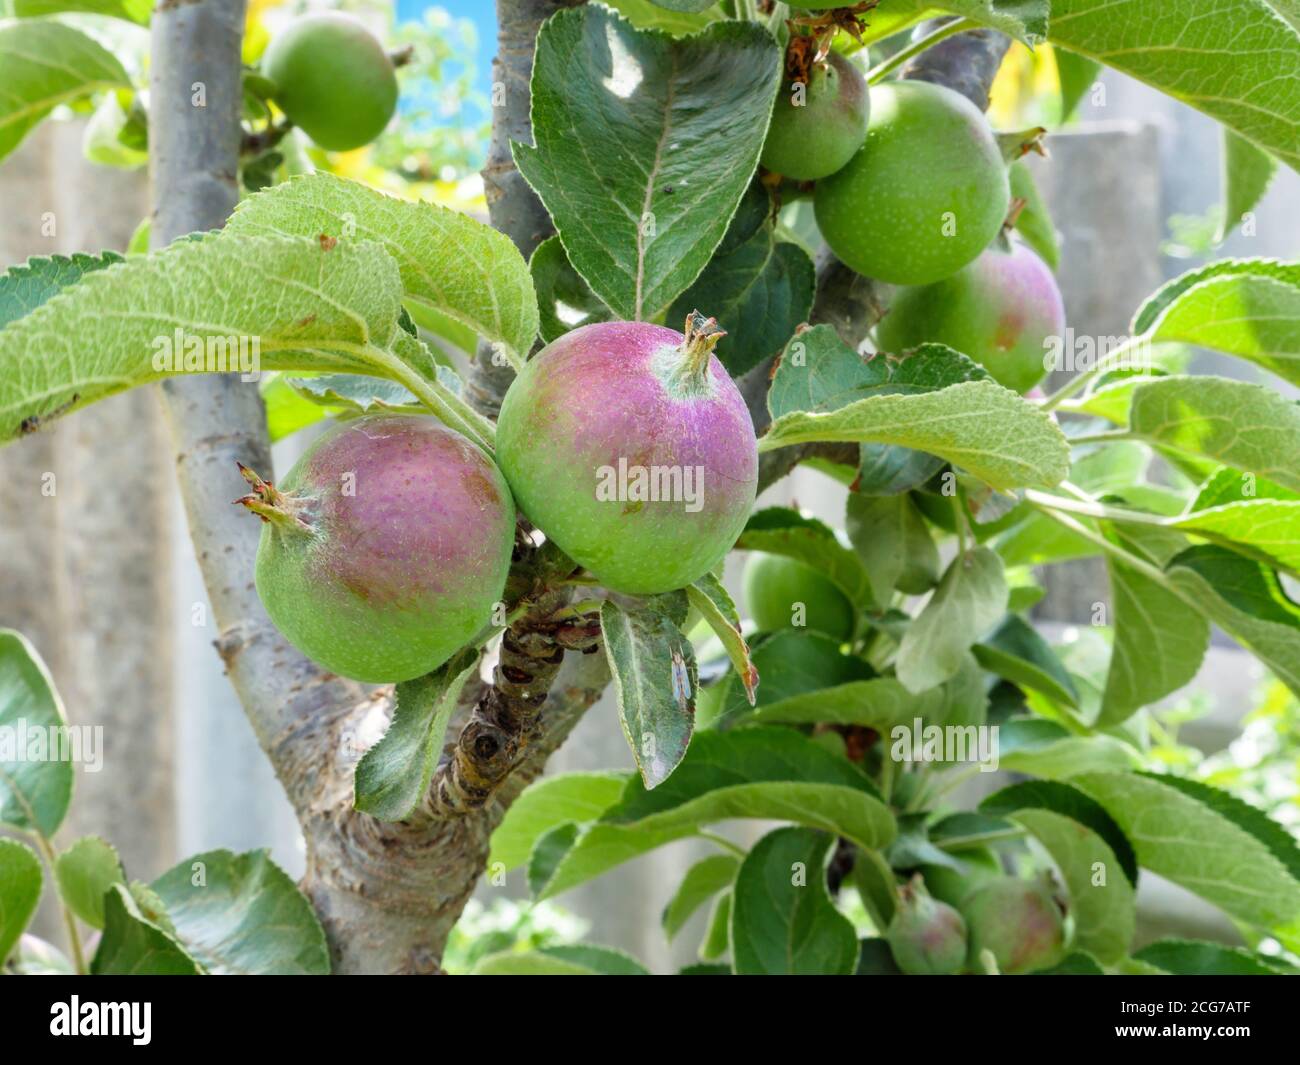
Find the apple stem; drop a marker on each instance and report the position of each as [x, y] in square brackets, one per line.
[280, 509]
[702, 335]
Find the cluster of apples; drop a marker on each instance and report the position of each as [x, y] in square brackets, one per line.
[911, 188]
[388, 544]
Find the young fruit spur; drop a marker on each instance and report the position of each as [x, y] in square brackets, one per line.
[1018, 921]
[1001, 310]
[629, 445]
[820, 119]
[926, 937]
[385, 547]
[333, 79]
[926, 193]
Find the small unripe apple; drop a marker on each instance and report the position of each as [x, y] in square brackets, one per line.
[1018, 921]
[819, 122]
[927, 937]
[775, 586]
[629, 445]
[333, 79]
[385, 547]
[1000, 310]
[926, 193]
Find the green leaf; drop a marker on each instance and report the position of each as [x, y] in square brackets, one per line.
[1203, 415]
[1037, 539]
[24, 288]
[722, 761]
[819, 373]
[783, 531]
[1247, 171]
[893, 542]
[642, 224]
[1034, 224]
[757, 287]
[357, 394]
[1025, 20]
[969, 601]
[35, 789]
[1044, 749]
[240, 914]
[447, 260]
[1159, 643]
[715, 942]
[309, 309]
[978, 425]
[1277, 839]
[702, 881]
[132, 945]
[795, 661]
[715, 605]
[1237, 61]
[1227, 485]
[880, 704]
[1102, 899]
[690, 7]
[431, 320]
[1247, 601]
[770, 774]
[1252, 312]
[1188, 841]
[887, 469]
[1189, 957]
[393, 776]
[1068, 801]
[47, 63]
[1155, 305]
[647, 15]
[548, 852]
[548, 803]
[1076, 964]
[527, 963]
[20, 891]
[85, 872]
[136, 11]
[1266, 529]
[603, 961]
[287, 410]
[782, 919]
[1077, 75]
[1017, 652]
[564, 300]
[656, 679]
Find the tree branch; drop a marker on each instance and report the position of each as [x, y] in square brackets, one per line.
[967, 62]
[193, 158]
[513, 207]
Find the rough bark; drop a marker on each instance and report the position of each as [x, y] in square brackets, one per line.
[966, 62]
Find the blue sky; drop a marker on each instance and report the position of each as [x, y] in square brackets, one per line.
[484, 16]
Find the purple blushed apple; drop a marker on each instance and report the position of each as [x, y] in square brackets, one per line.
[385, 547]
[629, 445]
